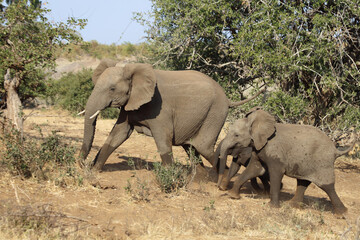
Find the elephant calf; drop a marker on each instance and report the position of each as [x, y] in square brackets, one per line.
[299, 151]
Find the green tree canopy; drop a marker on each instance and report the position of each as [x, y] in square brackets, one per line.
[28, 41]
[309, 49]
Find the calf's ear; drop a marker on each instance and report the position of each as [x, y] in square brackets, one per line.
[262, 126]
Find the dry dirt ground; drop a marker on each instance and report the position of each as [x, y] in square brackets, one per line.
[126, 203]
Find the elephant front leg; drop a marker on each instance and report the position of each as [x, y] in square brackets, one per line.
[253, 169]
[234, 168]
[120, 132]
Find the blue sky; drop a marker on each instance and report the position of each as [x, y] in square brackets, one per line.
[109, 21]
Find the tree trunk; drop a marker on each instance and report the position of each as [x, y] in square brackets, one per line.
[13, 102]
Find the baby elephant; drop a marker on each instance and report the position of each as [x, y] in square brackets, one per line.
[299, 151]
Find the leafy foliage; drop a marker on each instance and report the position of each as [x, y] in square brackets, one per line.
[290, 109]
[170, 178]
[72, 91]
[175, 176]
[308, 49]
[32, 158]
[28, 41]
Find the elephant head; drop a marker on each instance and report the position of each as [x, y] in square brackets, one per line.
[252, 131]
[129, 87]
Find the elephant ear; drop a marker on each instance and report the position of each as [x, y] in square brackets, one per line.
[262, 126]
[143, 82]
[103, 65]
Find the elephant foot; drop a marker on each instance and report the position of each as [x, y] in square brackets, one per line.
[234, 194]
[274, 204]
[296, 204]
[96, 167]
[81, 163]
[262, 192]
[223, 187]
[166, 159]
[339, 211]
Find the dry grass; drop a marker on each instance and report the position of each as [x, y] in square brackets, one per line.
[124, 202]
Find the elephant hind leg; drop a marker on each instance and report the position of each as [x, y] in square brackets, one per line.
[193, 154]
[163, 141]
[299, 194]
[205, 139]
[338, 206]
[275, 185]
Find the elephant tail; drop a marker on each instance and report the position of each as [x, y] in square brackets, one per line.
[234, 104]
[345, 151]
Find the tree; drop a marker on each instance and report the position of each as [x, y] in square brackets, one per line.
[308, 49]
[27, 47]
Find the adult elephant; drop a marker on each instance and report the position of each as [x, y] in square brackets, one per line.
[175, 107]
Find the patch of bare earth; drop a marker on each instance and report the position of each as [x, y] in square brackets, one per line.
[124, 202]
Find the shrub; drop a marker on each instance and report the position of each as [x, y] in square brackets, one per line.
[72, 91]
[170, 178]
[138, 191]
[46, 159]
[287, 108]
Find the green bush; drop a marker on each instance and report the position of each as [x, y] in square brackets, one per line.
[72, 91]
[46, 159]
[308, 49]
[348, 116]
[171, 178]
[288, 108]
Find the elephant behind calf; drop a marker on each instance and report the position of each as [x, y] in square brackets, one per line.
[299, 151]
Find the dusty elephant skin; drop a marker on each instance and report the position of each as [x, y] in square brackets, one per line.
[299, 151]
[180, 108]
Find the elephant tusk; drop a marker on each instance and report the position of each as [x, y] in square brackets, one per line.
[82, 112]
[95, 114]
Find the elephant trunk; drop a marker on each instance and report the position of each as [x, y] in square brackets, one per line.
[93, 106]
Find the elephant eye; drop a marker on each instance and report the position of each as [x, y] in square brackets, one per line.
[112, 88]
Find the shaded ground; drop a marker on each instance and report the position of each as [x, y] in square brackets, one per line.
[126, 203]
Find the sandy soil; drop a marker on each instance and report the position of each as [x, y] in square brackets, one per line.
[126, 203]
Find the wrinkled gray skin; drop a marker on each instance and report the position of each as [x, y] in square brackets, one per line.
[299, 151]
[175, 107]
[241, 157]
